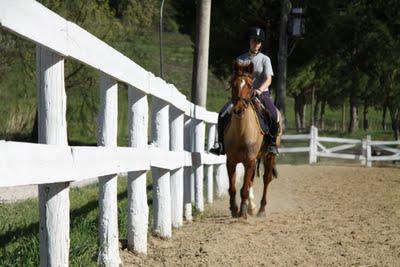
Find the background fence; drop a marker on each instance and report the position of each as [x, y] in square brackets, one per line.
[366, 151]
[175, 156]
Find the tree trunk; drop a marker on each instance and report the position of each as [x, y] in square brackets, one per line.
[394, 115]
[353, 124]
[365, 117]
[34, 132]
[344, 117]
[297, 113]
[282, 57]
[312, 122]
[303, 115]
[316, 111]
[398, 125]
[384, 118]
[321, 116]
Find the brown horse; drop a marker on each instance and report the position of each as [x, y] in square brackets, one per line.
[243, 140]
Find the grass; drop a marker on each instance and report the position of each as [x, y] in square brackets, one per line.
[19, 241]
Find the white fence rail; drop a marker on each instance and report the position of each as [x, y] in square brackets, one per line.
[53, 164]
[361, 150]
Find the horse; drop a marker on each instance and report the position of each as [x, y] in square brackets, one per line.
[243, 142]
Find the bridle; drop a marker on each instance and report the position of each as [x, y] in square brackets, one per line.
[245, 100]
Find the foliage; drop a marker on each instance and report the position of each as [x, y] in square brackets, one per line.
[350, 51]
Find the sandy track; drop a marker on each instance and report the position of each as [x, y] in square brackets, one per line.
[317, 215]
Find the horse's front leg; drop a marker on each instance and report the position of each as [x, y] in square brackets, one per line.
[231, 167]
[252, 205]
[250, 168]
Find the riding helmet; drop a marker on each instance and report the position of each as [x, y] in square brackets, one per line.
[256, 33]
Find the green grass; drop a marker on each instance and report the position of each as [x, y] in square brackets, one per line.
[19, 242]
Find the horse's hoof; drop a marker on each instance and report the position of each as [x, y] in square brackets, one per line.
[261, 214]
[252, 212]
[235, 212]
[243, 216]
[243, 210]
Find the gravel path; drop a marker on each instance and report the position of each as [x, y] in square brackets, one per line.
[317, 216]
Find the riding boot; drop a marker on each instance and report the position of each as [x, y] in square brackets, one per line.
[218, 148]
[223, 119]
[271, 145]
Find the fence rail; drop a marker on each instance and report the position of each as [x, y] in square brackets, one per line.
[318, 148]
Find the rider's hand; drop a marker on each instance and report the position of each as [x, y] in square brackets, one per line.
[258, 91]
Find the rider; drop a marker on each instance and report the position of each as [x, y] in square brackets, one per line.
[262, 78]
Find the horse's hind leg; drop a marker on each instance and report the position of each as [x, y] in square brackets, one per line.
[269, 163]
[250, 168]
[231, 167]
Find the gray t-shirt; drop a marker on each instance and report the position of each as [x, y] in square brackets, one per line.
[262, 67]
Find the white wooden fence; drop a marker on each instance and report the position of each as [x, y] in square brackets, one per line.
[176, 156]
[178, 135]
[318, 148]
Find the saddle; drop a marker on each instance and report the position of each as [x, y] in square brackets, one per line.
[262, 115]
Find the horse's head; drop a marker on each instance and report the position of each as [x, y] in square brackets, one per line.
[241, 85]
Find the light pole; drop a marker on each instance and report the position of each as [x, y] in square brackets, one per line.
[161, 41]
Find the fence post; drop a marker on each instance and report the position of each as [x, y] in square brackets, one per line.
[364, 151]
[161, 177]
[369, 151]
[176, 144]
[187, 192]
[199, 136]
[313, 144]
[108, 208]
[52, 129]
[138, 210]
[210, 168]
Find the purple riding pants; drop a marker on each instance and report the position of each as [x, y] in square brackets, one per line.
[266, 100]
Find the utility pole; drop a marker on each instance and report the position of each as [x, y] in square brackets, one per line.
[199, 91]
[161, 41]
[282, 56]
[200, 70]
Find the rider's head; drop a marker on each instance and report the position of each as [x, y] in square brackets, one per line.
[257, 37]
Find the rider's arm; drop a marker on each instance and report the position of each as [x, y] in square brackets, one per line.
[268, 72]
[267, 82]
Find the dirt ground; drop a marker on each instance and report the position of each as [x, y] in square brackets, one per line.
[317, 216]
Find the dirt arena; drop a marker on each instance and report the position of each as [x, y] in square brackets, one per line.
[317, 216]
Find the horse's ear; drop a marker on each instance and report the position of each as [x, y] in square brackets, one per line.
[236, 66]
[250, 68]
